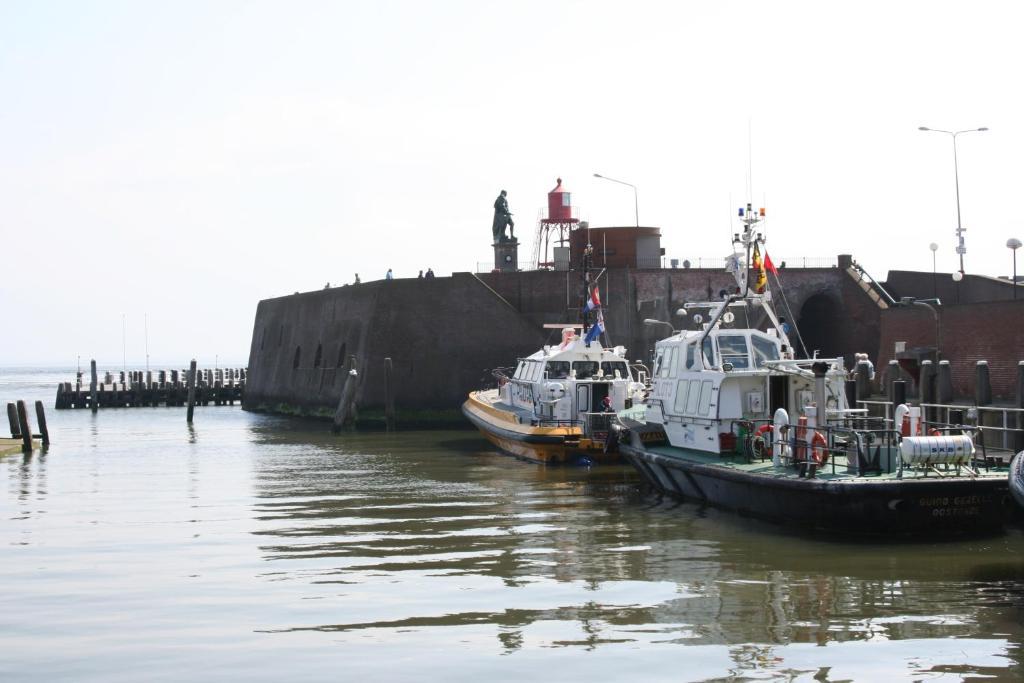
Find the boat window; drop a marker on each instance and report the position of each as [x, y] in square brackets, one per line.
[657, 361]
[733, 349]
[705, 397]
[681, 396]
[691, 356]
[691, 400]
[519, 370]
[764, 349]
[558, 369]
[585, 369]
[609, 368]
[666, 362]
[709, 353]
[536, 370]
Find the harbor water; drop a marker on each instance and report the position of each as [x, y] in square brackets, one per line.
[254, 547]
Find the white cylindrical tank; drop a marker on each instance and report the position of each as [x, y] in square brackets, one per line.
[952, 449]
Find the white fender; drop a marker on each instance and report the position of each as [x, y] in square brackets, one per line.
[780, 420]
[1017, 478]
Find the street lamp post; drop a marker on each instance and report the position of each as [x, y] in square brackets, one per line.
[960, 248]
[636, 205]
[935, 285]
[1014, 244]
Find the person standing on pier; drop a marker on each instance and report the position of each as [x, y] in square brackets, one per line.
[389, 276]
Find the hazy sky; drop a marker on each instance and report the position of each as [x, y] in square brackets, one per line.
[177, 162]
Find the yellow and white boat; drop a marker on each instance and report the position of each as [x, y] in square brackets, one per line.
[557, 406]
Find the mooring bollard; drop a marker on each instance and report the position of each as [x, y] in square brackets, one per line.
[41, 419]
[191, 390]
[944, 383]
[92, 388]
[389, 396]
[345, 413]
[982, 384]
[26, 429]
[12, 418]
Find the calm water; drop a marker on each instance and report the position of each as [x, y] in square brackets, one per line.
[259, 548]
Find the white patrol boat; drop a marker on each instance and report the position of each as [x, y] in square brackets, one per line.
[557, 405]
[716, 428]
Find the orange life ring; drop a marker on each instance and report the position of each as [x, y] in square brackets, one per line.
[819, 449]
[763, 429]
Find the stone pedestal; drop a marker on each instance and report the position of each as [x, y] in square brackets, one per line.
[506, 256]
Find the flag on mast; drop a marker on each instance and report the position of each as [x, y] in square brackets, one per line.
[769, 266]
[762, 278]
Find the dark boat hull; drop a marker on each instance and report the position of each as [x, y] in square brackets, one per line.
[865, 506]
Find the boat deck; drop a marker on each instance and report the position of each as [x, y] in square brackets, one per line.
[830, 471]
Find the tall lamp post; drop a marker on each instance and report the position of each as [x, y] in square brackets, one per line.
[1014, 244]
[960, 248]
[636, 205]
[935, 285]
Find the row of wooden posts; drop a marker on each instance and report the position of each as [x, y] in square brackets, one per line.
[171, 388]
[936, 382]
[17, 416]
[345, 415]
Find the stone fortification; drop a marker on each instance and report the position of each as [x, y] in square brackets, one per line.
[442, 334]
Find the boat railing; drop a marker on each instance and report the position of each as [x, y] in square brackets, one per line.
[1001, 427]
[861, 451]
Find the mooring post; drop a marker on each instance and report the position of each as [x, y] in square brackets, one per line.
[191, 391]
[41, 420]
[26, 429]
[927, 390]
[982, 384]
[389, 396]
[863, 381]
[343, 416]
[944, 383]
[93, 403]
[12, 418]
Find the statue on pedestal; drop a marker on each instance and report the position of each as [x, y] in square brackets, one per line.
[502, 217]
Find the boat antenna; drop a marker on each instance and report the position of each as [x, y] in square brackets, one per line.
[750, 157]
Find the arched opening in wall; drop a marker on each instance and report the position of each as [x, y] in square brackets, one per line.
[819, 325]
[341, 355]
[298, 355]
[319, 355]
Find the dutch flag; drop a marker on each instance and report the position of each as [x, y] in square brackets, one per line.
[594, 301]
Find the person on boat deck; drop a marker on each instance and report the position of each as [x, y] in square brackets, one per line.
[606, 404]
[389, 275]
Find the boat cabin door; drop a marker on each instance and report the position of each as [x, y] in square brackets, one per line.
[582, 400]
[778, 394]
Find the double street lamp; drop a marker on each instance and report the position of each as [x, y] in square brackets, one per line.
[960, 249]
[636, 205]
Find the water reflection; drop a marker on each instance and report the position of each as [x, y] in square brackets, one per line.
[397, 534]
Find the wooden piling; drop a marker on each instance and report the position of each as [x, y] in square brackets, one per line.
[344, 415]
[93, 404]
[191, 391]
[26, 430]
[389, 396]
[928, 390]
[12, 418]
[863, 381]
[41, 420]
[982, 384]
[944, 383]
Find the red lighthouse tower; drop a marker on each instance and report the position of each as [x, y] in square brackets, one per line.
[553, 231]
